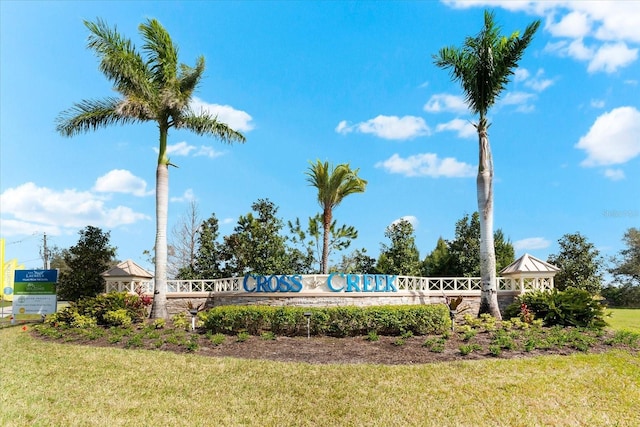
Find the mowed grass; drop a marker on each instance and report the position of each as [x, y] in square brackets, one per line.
[624, 319]
[52, 384]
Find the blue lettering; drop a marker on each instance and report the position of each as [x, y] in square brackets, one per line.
[282, 284]
[352, 283]
[244, 283]
[390, 286]
[379, 283]
[331, 286]
[366, 282]
[296, 283]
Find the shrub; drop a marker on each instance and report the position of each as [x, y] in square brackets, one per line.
[372, 336]
[625, 295]
[268, 336]
[571, 307]
[333, 321]
[469, 348]
[118, 317]
[242, 336]
[180, 321]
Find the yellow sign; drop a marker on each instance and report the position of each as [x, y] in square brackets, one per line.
[7, 271]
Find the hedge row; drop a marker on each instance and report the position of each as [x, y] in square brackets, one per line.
[331, 321]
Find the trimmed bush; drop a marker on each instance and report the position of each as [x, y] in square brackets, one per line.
[571, 307]
[332, 321]
[89, 311]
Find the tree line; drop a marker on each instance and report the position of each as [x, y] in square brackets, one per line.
[263, 243]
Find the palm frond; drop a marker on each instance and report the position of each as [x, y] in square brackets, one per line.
[485, 63]
[119, 60]
[89, 115]
[205, 124]
[189, 77]
[162, 54]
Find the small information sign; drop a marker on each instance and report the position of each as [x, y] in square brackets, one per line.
[35, 292]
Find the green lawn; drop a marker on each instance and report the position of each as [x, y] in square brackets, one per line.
[624, 318]
[53, 384]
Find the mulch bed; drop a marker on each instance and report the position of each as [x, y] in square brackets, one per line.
[349, 350]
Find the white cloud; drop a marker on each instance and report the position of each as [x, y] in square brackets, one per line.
[236, 119]
[42, 208]
[531, 243]
[464, 128]
[608, 27]
[388, 127]
[184, 149]
[344, 128]
[427, 164]
[597, 103]
[207, 151]
[187, 196]
[539, 82]
[521, 100]
[614, 138]
[610, 57]
[121, 181]
[614, 174]
[574, 25]
[521, 74]
[179, 149]
[443, 102]
[409, 218]
[12, 227]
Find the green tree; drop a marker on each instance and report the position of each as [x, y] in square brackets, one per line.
[85, 262]
[460, 257]
[357, 262]
[208, 262]
[626, 267]
[401, 256]
[580, 264]
[311, 239]
[153, 87]
[438, 262]
[333, 185]
[625, 289]
[483, 66]
[257, 245]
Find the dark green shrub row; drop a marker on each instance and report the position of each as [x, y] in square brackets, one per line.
[332, 321]
[571, 307]
[626, 295]
[110, 309]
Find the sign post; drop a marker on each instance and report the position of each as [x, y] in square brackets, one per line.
[35, 292]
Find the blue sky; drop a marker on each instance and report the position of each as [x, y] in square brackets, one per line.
[338, 81]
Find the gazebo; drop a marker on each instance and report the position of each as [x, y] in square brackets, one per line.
[129, 277]
[531, 273]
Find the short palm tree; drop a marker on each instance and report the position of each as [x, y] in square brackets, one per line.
[483, 66]
[333, 185]
[152, 87]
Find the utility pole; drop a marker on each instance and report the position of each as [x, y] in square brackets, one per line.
[45, 253]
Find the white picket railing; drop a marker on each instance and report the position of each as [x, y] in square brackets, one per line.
[311, 282]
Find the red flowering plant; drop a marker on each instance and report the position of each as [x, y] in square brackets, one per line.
[526, 315]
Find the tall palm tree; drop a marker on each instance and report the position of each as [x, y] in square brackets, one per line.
[333, 184]
[483, 66]
[152, 87]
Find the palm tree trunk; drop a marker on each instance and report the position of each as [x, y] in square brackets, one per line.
[489, 294]
[326, 225]
[159, 307]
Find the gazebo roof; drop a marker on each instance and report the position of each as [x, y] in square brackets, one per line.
[529, 264]
[127, 268]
